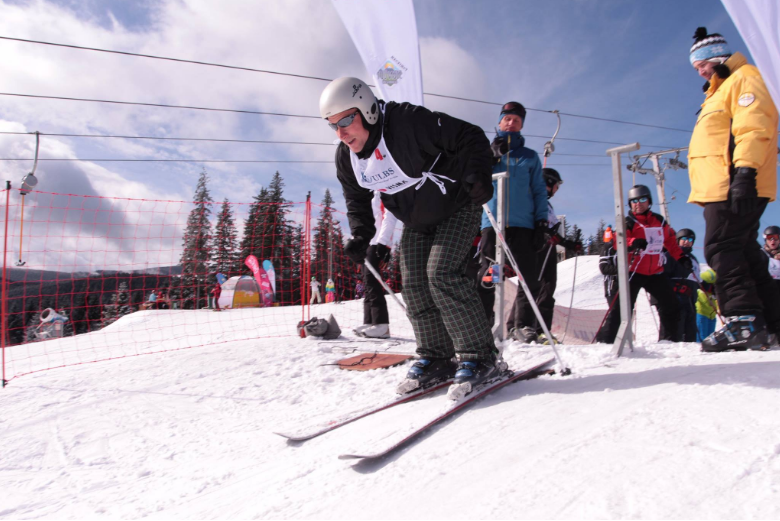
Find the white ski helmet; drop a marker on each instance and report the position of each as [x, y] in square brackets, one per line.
[345, 93]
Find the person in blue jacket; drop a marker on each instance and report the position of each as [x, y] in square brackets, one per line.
[525, 210]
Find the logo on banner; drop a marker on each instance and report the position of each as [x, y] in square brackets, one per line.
[389, 74]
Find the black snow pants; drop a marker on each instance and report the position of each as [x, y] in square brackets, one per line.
[374, 305]
[521, 244]
[546, 300]
[744, 285]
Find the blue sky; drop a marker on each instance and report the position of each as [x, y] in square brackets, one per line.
[611, 59]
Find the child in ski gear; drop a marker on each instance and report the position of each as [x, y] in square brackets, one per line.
[733, 173]
[376, 320]
[608, 267]
[647, 234]
[330, 291]
[772, 251]
[547, 256]
[685, 283]
[315, 291]
[526, 220]
[434, 173]
[706, 306]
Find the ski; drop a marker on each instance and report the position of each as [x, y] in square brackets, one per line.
[457, 406]
[358, 415]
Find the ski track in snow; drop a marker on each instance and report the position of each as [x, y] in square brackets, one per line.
[663, 432]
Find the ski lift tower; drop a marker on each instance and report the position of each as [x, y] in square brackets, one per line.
[658, 173]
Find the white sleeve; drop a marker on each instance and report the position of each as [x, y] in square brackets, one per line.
[385, 235]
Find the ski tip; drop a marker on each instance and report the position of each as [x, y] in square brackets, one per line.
[353, 456]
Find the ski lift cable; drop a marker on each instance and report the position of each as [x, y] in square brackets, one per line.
[317, 78]
[222, 140]
[121, 160]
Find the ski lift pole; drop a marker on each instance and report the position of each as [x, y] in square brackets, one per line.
[500, 236]
[28, 183]
[384, 285]
[549, 147]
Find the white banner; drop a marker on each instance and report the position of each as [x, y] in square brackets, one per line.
[385, 34]
[758, 22]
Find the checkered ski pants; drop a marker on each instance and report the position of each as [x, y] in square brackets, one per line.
[442, 302]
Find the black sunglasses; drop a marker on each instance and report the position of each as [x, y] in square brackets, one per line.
[343, 122]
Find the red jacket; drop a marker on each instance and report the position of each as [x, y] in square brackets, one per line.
[642, 261]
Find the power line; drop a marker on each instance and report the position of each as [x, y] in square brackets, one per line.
[303, 76]
[165, 160]
[159, 105]
[298, 142]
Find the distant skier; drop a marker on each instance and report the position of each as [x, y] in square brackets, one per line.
[548, 253]
[733, 172]
[772, 251]
[315, 291]
[376, 319]
[526, 214]
[434, 173]
[152, 300]
[330, 291]
[217, 292]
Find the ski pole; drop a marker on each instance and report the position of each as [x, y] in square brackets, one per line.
[564, 370]
[387, 288]
[546, 258]
[571, 302]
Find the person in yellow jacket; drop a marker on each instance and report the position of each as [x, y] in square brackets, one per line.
[733, 171]
[706, 306]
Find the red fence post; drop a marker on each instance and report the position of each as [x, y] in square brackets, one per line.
[4, 305]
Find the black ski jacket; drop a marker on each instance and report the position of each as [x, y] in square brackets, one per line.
[608, 268]
[415, 136]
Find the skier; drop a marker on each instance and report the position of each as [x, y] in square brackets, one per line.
[608, 267]
[359, 290]
[733, 173]
[706, 306]
[647, 234]
[330, 291]
[434, 173]
[217, 292]
[685, 283]
[315, 291]
[376, 320]
[549, 255]
[526, 214]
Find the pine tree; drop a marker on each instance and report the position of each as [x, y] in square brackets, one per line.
[327, 237]
[225, 245]
[197, 247]
[598, 239]
[252, 240]
[119, 306]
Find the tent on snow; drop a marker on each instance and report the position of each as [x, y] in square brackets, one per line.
[240, 292]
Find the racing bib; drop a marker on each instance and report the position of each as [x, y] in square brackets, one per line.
[655, 240]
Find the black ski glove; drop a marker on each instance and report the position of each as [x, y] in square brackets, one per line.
[540, 234]
[377, 254]
[499, 146]
[638, 244]
[479, 190]
[742, 191]
[356, 249]
[686, 263]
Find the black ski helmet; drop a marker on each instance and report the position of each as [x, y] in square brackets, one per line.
[686, 232]
[638, 191]
[551, 176]
[771, 230]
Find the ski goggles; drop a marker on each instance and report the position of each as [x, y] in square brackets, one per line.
[343, 122]
[638, 200]
[552, 182]
[772, 237]
[686, 240]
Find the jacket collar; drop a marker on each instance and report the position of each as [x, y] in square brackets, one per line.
[734, 62]
[516, 141]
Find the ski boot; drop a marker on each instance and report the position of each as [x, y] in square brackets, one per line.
[524, 335]
[376, 331]
[740, 333]
[542, 339]
[427, 372]
[359, 330]
[472, 374]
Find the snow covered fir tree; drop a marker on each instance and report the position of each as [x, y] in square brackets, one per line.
[196, 255]
[118, 307]
[225, 246]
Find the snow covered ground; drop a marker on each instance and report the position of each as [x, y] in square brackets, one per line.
[664, 432]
